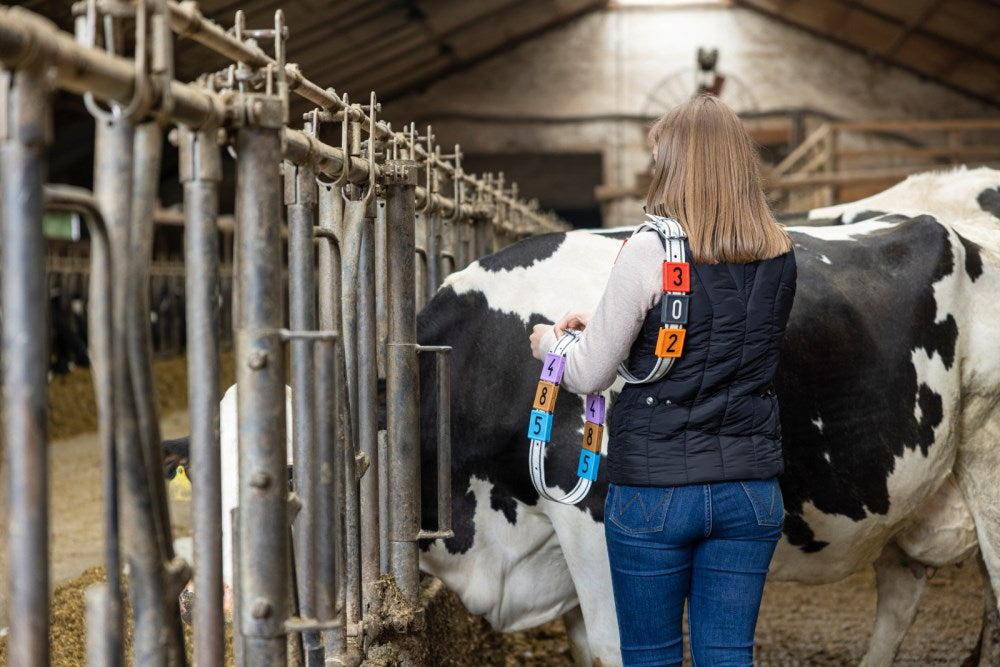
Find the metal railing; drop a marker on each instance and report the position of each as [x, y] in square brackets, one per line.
[351, 211]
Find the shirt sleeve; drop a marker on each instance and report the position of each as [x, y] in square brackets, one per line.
[634, 286]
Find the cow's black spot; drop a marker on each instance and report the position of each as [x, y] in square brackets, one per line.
[989, 201]
[523, 255]
[801, 535]
[973, 258]
[493, 385]
[847, 359]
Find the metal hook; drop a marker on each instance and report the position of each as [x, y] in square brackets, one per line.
[140, 93]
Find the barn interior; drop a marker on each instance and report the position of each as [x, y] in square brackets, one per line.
[545, 105]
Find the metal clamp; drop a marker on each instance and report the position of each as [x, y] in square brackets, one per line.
[87, 36]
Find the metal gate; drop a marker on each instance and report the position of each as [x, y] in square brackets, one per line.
[373, 225]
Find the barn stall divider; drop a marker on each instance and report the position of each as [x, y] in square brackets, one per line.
[373, 225]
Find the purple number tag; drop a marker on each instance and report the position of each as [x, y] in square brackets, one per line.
[552, 369]
[595, 408]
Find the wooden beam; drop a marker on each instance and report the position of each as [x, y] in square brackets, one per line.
[911, 25]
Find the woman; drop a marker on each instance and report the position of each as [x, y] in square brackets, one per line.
[693, 510]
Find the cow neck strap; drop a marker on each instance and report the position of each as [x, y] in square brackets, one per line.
[673, 236]
[540, 427]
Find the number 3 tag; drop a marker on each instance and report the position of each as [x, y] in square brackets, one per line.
[676, 277]
[670, 342]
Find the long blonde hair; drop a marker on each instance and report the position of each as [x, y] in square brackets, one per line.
[707, 176]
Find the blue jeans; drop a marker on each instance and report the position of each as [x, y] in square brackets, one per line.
[710, 544]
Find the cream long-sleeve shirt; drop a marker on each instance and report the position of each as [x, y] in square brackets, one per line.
[634, 286]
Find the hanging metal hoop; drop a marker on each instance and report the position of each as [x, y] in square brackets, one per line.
[136, 105]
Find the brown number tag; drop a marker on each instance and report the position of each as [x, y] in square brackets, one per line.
[676, 277]
[670, 343]
[545, 396]
[593, 434]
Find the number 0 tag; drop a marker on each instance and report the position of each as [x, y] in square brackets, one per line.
[674, 309]
[670, 342]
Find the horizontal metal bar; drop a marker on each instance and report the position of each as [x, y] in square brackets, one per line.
[435, 534]
[323, 335]
[299, 624]
[434, 348]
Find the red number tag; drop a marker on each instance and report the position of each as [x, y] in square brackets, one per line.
[676, 277]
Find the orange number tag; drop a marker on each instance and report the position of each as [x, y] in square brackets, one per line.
[676, 277]
[670, 342]
[545, 396]
[593, 434]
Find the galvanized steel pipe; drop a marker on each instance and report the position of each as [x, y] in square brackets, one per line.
[28, 116]
[201, 172]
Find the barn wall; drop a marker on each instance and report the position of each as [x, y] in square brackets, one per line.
[599, 67]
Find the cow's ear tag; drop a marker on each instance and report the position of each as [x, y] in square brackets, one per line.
[676, 277]
[545, 396]
[670, 343]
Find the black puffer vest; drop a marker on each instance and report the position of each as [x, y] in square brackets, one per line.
[714, 416]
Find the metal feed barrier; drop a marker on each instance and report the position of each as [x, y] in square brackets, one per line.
[364, 218]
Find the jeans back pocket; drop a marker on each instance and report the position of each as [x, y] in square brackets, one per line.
[765, 496]
[639, 509]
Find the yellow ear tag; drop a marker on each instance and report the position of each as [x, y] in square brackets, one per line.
[180, 485]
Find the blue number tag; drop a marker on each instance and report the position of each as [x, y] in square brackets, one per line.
[589, 461]
[540, 426]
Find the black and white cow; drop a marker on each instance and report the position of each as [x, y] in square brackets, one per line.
[889, 386]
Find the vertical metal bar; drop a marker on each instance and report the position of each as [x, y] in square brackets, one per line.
[368, 414]
[113, 165]
[162, 591]
[421, 260]
[354, 247]
[444, 440]
[96, 600]
[201, 172]
[263, 494]
[300, 197]
[328, 423]
[433, 246]
[381, 310]
[239, 648]
[27, 110]
[100, 334]
[402, 398]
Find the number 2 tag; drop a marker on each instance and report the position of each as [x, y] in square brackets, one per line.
[670, 342]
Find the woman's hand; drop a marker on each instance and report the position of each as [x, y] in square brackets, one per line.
[536, 340]
[573, 320]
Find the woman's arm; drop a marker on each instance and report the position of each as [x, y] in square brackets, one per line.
[634, 286]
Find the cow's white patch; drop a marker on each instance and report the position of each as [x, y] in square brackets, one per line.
[574, 276]
[826, 455]
[584, 548]
[818, 423]
[825, 259]
[949, 195]
[844, 232]
[515, 575]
